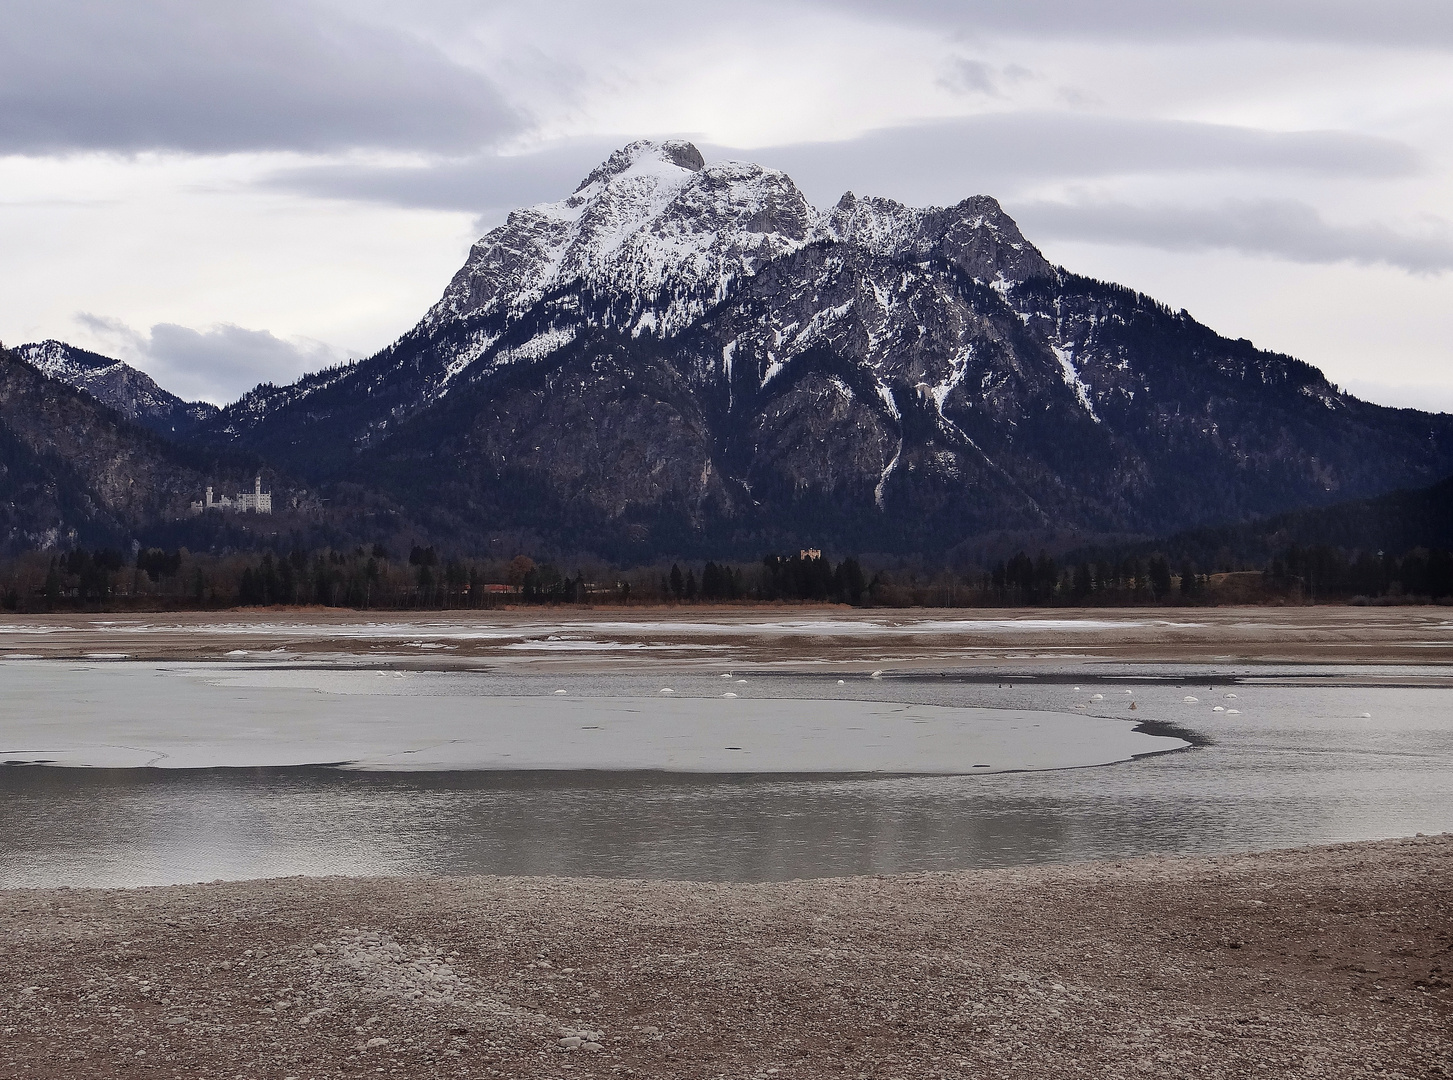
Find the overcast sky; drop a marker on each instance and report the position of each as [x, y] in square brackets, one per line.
[230, 193]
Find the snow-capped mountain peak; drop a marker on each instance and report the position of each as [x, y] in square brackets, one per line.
[642, 157]
[654, 223]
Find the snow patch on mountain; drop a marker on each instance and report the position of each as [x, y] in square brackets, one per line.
[887, 472]
[1073, 380]
[538, 347]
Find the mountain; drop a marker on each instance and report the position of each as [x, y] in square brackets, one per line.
[75, 471]
[132, 393]
[1392, 524]
[683, 357]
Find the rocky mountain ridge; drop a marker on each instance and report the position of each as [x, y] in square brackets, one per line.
[132, 393]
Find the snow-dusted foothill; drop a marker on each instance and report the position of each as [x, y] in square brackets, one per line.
[132, 393]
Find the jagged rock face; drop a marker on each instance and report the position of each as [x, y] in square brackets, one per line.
[683, 357]
[132, 393]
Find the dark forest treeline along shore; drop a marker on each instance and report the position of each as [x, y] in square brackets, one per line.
[374, 578]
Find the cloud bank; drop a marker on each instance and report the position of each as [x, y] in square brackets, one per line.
[218, 364]
[1280, 228]
[215, 78]
[938, 162]
[1419, 23]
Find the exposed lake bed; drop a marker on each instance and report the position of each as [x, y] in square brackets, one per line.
[780, 637]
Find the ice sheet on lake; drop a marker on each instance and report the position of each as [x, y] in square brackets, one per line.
[175, 716]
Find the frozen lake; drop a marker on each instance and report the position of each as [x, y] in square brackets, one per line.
[198, 716]
[192, 771]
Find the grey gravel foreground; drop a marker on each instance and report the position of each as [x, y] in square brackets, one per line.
[1331, 961]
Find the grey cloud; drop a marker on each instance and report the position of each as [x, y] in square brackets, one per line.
[927, 163]
[1409, 23]
[998, 153]
[972, 77]
[482, 184]
[218, 364]
[218, 77]
[966, 75]
[1280, 228]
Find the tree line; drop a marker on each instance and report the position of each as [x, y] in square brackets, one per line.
[152, 578]
[1323, 572]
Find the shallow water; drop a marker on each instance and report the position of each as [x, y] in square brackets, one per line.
[1297, 763]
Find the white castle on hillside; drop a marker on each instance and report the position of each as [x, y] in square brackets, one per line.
[256, 500]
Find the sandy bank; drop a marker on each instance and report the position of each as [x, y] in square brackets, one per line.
[1315, 962]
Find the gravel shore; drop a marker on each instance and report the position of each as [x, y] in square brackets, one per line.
[1331, 961]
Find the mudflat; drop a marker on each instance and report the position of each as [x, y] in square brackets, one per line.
[777, 636]
[1326, 961]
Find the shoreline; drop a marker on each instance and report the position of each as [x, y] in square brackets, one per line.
[846, 641]
[1323, 961]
